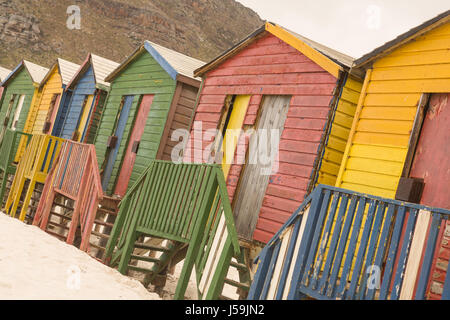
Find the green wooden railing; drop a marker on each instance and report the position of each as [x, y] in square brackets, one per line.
[185, 203]
[8, 151]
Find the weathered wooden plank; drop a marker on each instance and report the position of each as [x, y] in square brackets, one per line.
[355, 276]
[428, 258]
[414, 259]
[401, 265]
[254, 181]
[341, 248]
[285, 239]
[313, 248]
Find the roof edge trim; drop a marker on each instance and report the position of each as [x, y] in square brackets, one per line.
[160, 59]
[402, 39]
[316, 56]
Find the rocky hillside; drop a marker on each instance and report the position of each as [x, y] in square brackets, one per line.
[37, 30]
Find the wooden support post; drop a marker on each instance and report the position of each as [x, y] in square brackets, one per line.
[414, 259]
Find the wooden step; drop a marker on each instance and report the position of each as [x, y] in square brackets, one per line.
[237, 284]
[239, 266]
[150, 247]
[98, 234]
[63, 206]
[57, 235]
[58, 225]
[143, 270]
[61, 215]
[103, 223]
[107, 211]
[146, 259]
[96, 246]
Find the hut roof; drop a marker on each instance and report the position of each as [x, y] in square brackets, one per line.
[102, 67]
[4, 73]
[36, 72]
[66, 69]
[331, 60]
[182, 64]
[336, 56]
[403, 38]
[173, 62]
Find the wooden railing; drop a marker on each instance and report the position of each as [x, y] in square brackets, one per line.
[76, 178]
[32, 169]
[184, 203]
[8, 157]
[342, 244]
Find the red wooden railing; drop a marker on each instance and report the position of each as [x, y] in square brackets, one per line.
[75, 178]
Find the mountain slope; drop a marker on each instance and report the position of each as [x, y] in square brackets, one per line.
[37, 30]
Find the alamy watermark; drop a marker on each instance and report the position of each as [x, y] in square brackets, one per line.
[252, 147]
[73, 281]
[74, 20]
[373, 17]
[374, 277]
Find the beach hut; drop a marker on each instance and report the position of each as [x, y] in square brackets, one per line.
[152, 94]
[86, 94]
[21, 88]
[275, 80]
[42, 114]
[398, 146]
[3, 74]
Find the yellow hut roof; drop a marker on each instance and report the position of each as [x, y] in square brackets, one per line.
[403, 38]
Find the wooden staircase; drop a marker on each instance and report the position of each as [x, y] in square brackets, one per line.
[178, 212]
[9, 181]
[241, 264]
[104, 221]
[151, 260]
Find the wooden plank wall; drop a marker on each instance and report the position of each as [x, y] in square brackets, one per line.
[84, 87]
[142, 76]
[432, 163]
[51, 87]
[253, 183]
[271, 67]
[62, 113]
[99, 104]
[340, 130]
[21, 84]
[183, 113]
[378, 148]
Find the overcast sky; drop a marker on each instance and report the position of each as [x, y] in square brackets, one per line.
[354, 27]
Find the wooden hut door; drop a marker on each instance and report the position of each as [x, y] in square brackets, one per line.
[431, 162]
[51, 114]
[432, 156]
[85, 112]
[7, 119]
[17, 112]
[261, 155]
[119, 128]
[232, 120]
[133, 146]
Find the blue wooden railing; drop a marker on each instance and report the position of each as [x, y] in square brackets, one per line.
[341, 244]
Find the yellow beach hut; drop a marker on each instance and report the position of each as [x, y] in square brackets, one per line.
[50, 96]
[398, 145]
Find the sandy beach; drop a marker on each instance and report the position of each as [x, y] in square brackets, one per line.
[35, 265]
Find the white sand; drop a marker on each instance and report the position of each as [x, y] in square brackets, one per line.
[35, 265]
